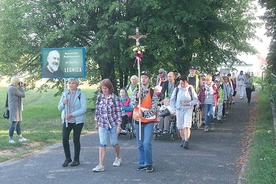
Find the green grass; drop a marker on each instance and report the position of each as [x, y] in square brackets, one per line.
[262, 157]
[41, 123]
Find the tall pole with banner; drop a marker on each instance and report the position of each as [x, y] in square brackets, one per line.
[138, 58]
[64, 63]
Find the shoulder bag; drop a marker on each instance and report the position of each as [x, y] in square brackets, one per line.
[6, 114]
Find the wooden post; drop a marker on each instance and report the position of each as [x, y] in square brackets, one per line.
[66, 106]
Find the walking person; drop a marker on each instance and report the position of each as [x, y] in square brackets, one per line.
[193, 78]
[168, 86]
[108, 117]
[208, 96]
[161, 80]
[15, 105]
[234, 86]
[248, 87]
[148, 107]
[227, 94]
[240, 82]
[183, 100]
[133, 85]
[73, 106]
[219, 107]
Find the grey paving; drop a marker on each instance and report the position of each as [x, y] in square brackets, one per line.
[211, 159]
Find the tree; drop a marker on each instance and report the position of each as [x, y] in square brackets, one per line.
[200, 32]
[270, 18]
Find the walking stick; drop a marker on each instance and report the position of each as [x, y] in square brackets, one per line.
[139, 100]
[66, 106]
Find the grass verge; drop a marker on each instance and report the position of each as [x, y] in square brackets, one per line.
[41, 123]
[261, 167]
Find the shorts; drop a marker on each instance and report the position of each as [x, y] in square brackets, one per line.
[184, 118]
[103, 136]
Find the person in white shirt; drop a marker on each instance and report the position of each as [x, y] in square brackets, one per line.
[240, 86]
[183, 100]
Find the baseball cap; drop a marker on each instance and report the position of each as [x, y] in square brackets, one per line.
[192, 68]
[145, 73]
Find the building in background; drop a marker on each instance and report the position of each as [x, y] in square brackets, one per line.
[253, 64]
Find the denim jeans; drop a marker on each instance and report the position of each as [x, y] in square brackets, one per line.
[76, 139]
[144, 145]
[103, 136]
[15, 125]
[208, 114]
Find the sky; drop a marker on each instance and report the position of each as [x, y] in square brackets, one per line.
[263, 45]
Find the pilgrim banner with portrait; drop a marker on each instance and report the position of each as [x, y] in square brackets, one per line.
[63, 62]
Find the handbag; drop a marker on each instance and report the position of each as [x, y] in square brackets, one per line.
[253, 88]
[6, 114]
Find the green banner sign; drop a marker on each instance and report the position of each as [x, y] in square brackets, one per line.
[63, 62]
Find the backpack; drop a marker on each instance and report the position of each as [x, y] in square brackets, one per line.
[189, 90]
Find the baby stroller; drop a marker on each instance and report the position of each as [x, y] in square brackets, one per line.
[172, 132]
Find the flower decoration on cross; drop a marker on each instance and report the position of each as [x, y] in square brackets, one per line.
[138, 52]
[138, 49]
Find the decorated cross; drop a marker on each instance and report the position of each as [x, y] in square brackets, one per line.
[137, 36]
[138, 58]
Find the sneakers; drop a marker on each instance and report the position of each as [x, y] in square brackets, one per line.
[141, 168]
[206, 129]
[66, 162]
[75, 163]
[165, 132]
[117, 162]
[23, 139]
[12, 141]
[149, 169]
[186, 145]
[98, 168]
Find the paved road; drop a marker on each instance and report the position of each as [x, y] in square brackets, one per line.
[211, 159]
